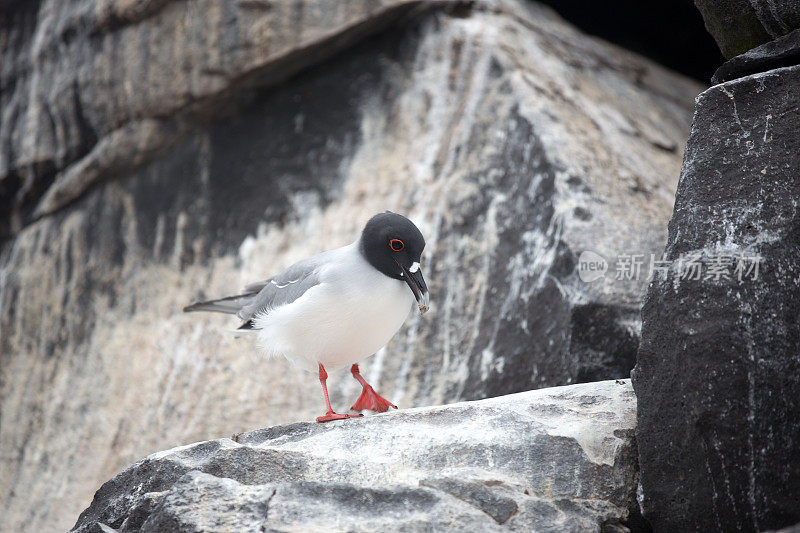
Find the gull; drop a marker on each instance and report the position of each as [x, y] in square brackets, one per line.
[338, 307]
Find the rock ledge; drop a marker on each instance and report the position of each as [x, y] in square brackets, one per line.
[555, 459]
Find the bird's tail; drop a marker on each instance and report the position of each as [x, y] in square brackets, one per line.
[230, 304]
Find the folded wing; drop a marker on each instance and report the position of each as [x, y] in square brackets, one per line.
[280, 290]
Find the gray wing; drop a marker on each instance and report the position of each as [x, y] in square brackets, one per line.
[256, 287]
[230, 304]
[283, 289]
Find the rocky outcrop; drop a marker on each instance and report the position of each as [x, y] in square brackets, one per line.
[93, 89]
[739, 25]
[560, 459]
[782, 52]
[514, 141]
[718, 375]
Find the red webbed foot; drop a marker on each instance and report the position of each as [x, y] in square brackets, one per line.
[369, 399]
[373, 401]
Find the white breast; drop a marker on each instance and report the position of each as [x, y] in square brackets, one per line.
[350, 315]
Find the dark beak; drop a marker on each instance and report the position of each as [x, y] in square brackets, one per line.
[417, 285]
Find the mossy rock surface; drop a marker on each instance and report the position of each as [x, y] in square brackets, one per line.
[740, 25]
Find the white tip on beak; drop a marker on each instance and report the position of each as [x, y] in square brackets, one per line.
[424, 305]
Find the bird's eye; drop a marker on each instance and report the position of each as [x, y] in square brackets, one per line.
[396, 245]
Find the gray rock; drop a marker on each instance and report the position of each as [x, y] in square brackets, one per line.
[791, 529]
[782, 52]
[559, 459]
[514, 141]
[87, 82]
[739, 25]
[718, 375]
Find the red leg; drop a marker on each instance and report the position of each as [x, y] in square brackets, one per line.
[369, 399]
[329, 415]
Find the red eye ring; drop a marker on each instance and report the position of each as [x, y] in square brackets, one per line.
[396, 245]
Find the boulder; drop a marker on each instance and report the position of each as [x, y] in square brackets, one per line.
[221, 148]
[739, 25]
[718, 374]
[558, 459]
[782, 52]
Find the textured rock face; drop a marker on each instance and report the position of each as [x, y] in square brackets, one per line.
[782, 52]
[739, 25]
[93, 88]
[512, 140]
[559, 459]
[718, 374]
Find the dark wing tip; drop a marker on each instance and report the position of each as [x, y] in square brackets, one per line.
[229, 304]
